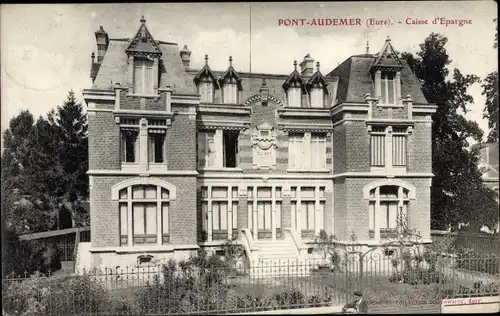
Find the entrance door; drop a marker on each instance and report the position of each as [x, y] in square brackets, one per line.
[264, 225]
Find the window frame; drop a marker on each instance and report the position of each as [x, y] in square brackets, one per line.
[144, 64]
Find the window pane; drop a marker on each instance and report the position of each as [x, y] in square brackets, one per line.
[399, 150]
[219, 192]
[165, 219]
[278, 192]
[223, 215]
[371, 216]
[129, 146]
[138, 210]
[204, 192]
[123, 194]
[204, 212]
[293, 192]
[382, 215]
[150, 192]
[137, 192]
[151, 224]
[278, 214]
[215, 216]
[138, 80]
[307, 193]
[260, 214]
[165, 194]
[235, 193]
[202, 149]
[156, 148]
[209, 92]
[293, 211]
[377, 150]
[267, 214]
[388, 191]
[393, 213]
[310, 215]
[210, 156]
[322, 192]
[250, 192]
[321, 220]
[235, 215]
[123, 219]
[264, 192]
[250, 215]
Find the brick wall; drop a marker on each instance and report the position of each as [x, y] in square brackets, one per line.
[357, 147]
[340, 211]
[104, 212]
[104, 141]
[420, 148]
[181, 144]
[339, 149]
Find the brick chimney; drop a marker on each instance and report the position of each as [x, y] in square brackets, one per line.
[102, 43]
[185, 56]
[307, 66]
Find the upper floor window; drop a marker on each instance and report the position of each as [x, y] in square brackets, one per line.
[218, 149]
[206, 90]
[143, 76]
[388, 88]
[307, 151]
[317, 97]
[157, 146]
[294, 97]
[230, 93]
[388, 146]
[129, 145]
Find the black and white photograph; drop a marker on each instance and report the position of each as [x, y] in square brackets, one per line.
[250, 158]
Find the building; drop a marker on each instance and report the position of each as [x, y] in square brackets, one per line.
[182, 158]
[488, 165]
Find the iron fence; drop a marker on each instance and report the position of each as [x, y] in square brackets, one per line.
[186, 288]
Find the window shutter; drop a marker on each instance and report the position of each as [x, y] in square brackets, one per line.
[202, 150]
[151, 148]
[317, 98]
[210, 156]
[138, 63]
[399, 150]
[377, 150]
[149, 77]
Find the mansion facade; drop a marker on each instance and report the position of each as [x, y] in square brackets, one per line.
[183, 158]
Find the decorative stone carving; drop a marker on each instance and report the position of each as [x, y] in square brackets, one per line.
[264, 143]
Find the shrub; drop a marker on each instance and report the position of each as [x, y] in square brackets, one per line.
[326, 244]
[471, 260]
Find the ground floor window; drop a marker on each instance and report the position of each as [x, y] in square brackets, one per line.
[387, 208]
[264, 211]
[308, 210]
[144, 215]
[219, 212]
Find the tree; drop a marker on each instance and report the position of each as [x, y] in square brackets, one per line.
[44, 169]
[458, 194]
[490, 91]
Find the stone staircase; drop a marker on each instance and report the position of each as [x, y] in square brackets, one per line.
[278, 258]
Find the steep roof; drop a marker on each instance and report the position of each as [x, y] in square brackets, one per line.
[230, 73]
[293, 78]
[355, 80]
[114, 67]
[205, 72]
[143, 41]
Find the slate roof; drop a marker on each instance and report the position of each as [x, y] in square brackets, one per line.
[355, 80]
[114, 67]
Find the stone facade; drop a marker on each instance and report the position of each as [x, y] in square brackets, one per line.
[214, 152]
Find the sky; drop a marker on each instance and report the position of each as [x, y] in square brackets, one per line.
[46, 48]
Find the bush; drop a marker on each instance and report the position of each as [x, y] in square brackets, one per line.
[67, 295]
[471, 260]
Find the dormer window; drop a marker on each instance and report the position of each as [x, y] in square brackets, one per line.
[205, 80]
[143, 76]
[317, 98]
[206, 91]
[293, 87]
[294, 96]
[388, 83]
[230, 81]
[316, 87]
[230, 93]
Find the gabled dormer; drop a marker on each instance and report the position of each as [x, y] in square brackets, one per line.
[143, 63]
[206, 83]
[230, 81]
[316, 86]
[386, 72]
[294, 86]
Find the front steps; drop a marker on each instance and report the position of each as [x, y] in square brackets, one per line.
[278, 258]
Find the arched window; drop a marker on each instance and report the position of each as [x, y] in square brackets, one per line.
[144, 215]
[386, 203]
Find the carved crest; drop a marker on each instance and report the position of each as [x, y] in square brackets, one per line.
[264, 143]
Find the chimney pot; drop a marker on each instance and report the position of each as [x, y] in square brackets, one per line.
[185, 56]
[307, 66]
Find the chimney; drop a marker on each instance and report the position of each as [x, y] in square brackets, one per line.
[102, 43]
[307, 66]
[185, 56]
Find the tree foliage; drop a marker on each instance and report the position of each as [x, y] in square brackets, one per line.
[490, 91]
[458, 194]
[43, 169]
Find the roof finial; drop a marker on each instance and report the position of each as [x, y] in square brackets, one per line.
[317, 66]
[388, 39]
[143, 20]
[294, 65]
[230, 60]
[206, 59]
[367, 47]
